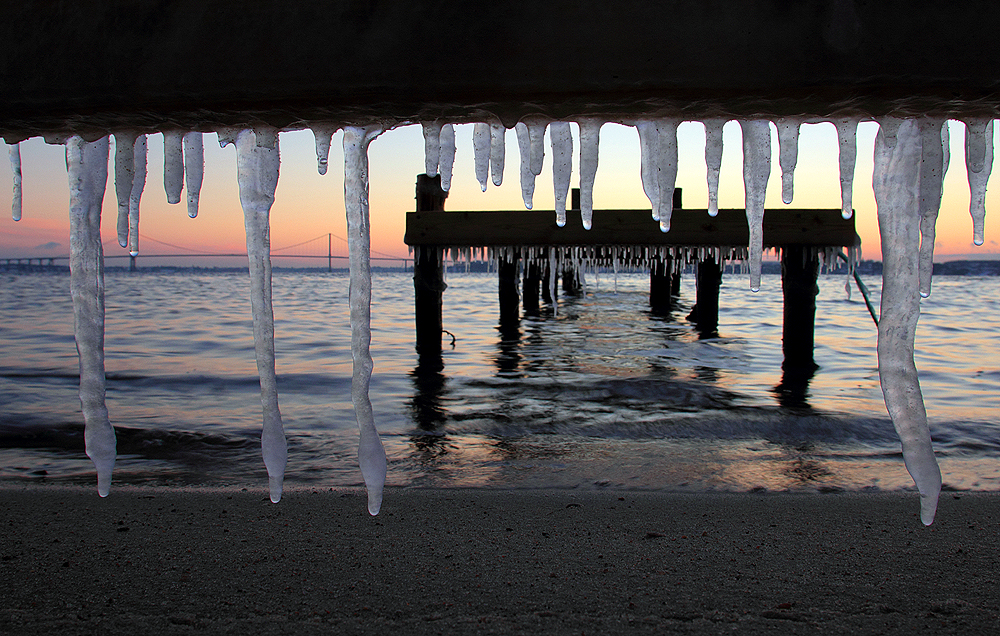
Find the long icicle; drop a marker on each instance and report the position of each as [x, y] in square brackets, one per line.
[14, 150]
[124, 174]
[897, 184]
[481, 142]
[788, 154]
[756, 170]
[371, 453]
[847, 139]
[173, 165]
[561, 139]
[257, 170]
[87, 165]
[138, 184]
[934, 164]
[666, 168]
[713, 161]
[527, 176]
[590, 140]
[649, 145]
[194, 169]
[978, 178]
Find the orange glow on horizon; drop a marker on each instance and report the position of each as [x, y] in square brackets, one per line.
[309, 206]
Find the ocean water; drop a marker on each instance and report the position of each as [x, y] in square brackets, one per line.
[602, 394]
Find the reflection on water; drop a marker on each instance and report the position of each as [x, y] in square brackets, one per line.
[604, 393]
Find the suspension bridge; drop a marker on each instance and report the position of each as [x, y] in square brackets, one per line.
[327, 246]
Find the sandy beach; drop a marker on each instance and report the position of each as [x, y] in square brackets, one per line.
[180, 561]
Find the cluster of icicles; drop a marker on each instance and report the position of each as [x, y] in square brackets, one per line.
[911, 158]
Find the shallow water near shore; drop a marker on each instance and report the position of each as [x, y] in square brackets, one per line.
[603, 394]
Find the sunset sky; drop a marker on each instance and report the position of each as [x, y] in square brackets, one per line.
[309, 205]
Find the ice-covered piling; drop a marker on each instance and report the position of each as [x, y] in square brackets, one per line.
[371, 454]
[897, 181]
[257, 169]
[87, 166]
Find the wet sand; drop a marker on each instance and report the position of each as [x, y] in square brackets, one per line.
[186, 561]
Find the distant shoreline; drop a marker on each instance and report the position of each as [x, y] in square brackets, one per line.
[864, 268]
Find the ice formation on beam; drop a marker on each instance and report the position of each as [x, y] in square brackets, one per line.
[898, 182]
[257, 172]
[87, 165]
[561, 138]
[371, 453]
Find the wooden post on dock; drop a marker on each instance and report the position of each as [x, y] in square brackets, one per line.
[705, 313]
[799, 272]
[428, 272]
[661, 287]
[509, 298]
[529, 289]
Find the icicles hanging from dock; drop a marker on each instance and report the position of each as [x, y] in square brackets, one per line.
[257, 167]
[527, 176]
[847, 139]
[87, 166]
[978, 137]
[447, 155]
[498, 144]
[124, 174]
[14, 151]
[371, 453]
[323, 136]
[756, 170]
[138, 184]
[713, 161]
[590, 139]
[788, 154]
[934, 165]
[194, 169]
[649, 144]
[481, 153]
[666, 169]
[173, 165]
[561, 138]
[898, 181]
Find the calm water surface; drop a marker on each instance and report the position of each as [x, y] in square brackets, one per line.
[603, 394]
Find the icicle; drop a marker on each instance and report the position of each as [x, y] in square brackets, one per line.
[847, 137]
[649, 144]
[756, 170]
[323, 136]
[889, 125]
[447, 155]
[266, 137]
[552, 281]
[87, 165]
[138, 183]
[536, 135]
[227, 135]
[481, 150]
[497, 152]
[173, 165]
[561, 138]
[527, 176]
[976, 136]
[666, 169]
[432, 147]
[194, 169]
[788, 154]
[897, 181]
[590, 139]
[14, 150]
[371, 453]
[933, 167]
[124, 174]
[978, 179]
[257, 172]
[713, 160]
